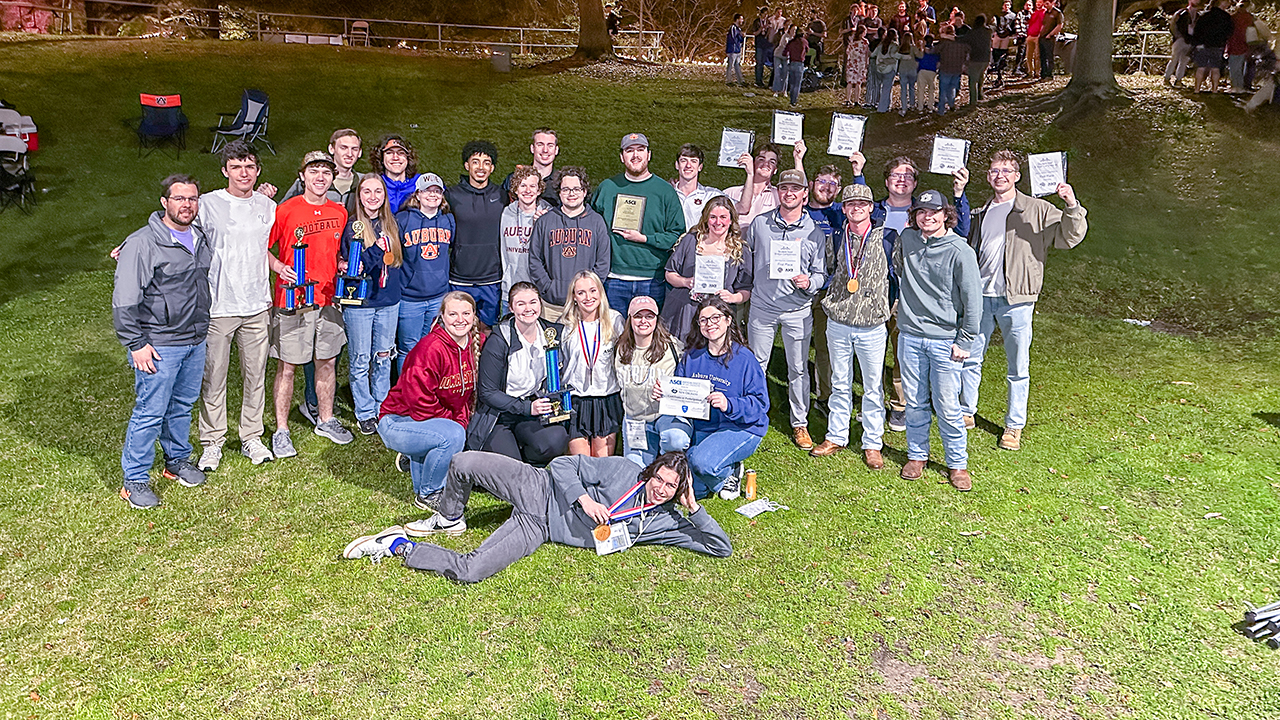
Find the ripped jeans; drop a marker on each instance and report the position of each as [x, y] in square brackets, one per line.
[371, 348]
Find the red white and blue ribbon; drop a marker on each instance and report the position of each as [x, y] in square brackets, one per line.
[590, 352]
[616, 514]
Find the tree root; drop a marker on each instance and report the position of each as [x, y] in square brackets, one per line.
[1079, 100]
[582, 59]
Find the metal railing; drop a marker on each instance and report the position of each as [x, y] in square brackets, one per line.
[1138, 62]
[62, 15]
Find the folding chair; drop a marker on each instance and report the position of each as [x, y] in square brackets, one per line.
[359, 33]
[250, 124]
[17, 183]
[162, 122]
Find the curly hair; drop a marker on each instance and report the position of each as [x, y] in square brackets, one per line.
[522, 173]
[375, 158]
[479, 147]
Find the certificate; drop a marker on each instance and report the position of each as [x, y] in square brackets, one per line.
[1048, 171]
[784, 259]
[788, 127]
[733, 143]
[846, 135]
[685, 397]
[949, 155]
[628, 213]
[708, 275]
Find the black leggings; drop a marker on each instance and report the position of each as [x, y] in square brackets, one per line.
[527, 440]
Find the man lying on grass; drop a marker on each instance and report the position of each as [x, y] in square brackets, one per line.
[576, 500]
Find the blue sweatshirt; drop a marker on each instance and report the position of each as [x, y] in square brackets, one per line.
[426, 242]
[371, 266]
[742, 382]
[399, 190]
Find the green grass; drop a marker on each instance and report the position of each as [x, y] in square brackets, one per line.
[1095, 587]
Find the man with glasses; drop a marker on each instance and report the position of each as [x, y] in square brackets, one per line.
[789, 252]
[160, 309]
[901, 179]
[692, 193]
[1012, 234]
[565, 241]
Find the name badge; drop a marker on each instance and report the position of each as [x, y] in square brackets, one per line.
[616, 540]
[636, 433]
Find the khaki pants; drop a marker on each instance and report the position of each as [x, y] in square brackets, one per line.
[893, 380]
[552, 313]
[821, 355]
[253, 337]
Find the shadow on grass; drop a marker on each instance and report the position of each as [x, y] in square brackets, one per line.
[1272, 419]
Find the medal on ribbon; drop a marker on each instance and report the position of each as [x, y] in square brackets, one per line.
[589, 351]
[854, 265]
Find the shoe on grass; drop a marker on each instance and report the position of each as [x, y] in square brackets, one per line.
[873, 458]
[139, 495]
[913, 470]
[429, 501]
[969, 423]
[334, 430]
[210, 458]
[801, 436]
[376, 546]
[256, 451]
[310, 412]
[825, 448]
[731, 490]
[437, 524]
[368, 427]
[898, 420]
[402, 462]
[1011, 439]
[185, 473]
[282, 445]
[960, 480]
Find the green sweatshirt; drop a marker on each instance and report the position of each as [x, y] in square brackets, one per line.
[662, 225]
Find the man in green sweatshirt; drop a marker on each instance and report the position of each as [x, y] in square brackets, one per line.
[645, 219]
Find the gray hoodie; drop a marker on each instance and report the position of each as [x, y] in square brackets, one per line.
[940, 287]
[607, 479]
[562, 246]
[161, 294]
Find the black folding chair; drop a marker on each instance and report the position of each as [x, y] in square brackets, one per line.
[249, 124]
[162, 122]
[17, 183]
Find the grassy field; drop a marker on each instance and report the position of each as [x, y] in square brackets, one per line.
[1088, 576]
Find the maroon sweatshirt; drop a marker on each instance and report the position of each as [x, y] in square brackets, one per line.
[438, 381]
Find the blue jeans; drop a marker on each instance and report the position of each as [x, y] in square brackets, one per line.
[371, 343]
[415, 318]
[642, 457]
[885, 93]
[764, 51]
[712, 455]
[873, 85]
[486, 297]
[162, 410]
[1015, 327]
[620, 292]
[795, 75]
[948, 86]
[907, 91]
[429, 445]
[866, 344]
[928, 372]
[781, 69]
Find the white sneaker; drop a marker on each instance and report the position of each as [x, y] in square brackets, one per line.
[436, 525]
[256, 451]
[374, 547]
[210, 458]
[730, 489]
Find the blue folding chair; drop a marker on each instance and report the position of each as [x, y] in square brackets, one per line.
[162, 122]
[250, 124]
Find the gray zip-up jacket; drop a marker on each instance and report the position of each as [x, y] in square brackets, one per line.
[607, 479]
[779, 296]
[869, 306]
[161, 294]
[940, 287]
[562, 246]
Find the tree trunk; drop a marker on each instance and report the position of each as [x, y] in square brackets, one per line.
[594, 42]
[1093, 79]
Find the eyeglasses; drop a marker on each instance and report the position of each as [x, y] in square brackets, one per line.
[902, 176]
[712, 319]
[572, 190]
[181, 200]
[993, 172]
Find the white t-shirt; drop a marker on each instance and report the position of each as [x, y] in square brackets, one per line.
[991, 249]
[527, 368]
[695, 202]
[896, 218]
[238, 230]
[767, 200]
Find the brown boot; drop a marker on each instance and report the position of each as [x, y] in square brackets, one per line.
[826, 448]
[801, 435]
[1011, 439]
[969, 424]
[873, 459]
[960, 480]
[913, 470]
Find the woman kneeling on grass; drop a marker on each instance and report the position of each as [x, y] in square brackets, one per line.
[591, 330]
[424, 418]
[646, 354]
[513, 377]
[574, 501]
[739, 413]
[371, 327]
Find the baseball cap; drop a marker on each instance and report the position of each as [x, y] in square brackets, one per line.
[428, 180]
[642, 302]
[792, 177]
[930, 200]
[634, 139]
[393, 143]
[317, 157]
[856, 192]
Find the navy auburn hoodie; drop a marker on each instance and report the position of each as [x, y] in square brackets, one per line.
[426, 240]
[476, 252]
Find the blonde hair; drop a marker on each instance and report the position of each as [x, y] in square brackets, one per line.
[473, 339]
[571, 316]
[732, 239]
[385, 217]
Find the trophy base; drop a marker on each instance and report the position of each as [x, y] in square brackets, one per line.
[295, 311]
[355, 302]
[554, 419]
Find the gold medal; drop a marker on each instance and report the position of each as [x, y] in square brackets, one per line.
[388, 258]
[602, 533]
[852, 285]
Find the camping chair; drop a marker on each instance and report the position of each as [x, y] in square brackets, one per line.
[17, 184]
[162, 122]
[250, 124]
[359, 33]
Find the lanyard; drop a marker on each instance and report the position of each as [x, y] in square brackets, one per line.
[589, 351]
[616, 514]
[849, 263]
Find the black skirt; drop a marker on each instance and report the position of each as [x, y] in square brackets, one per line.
[596, 417]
